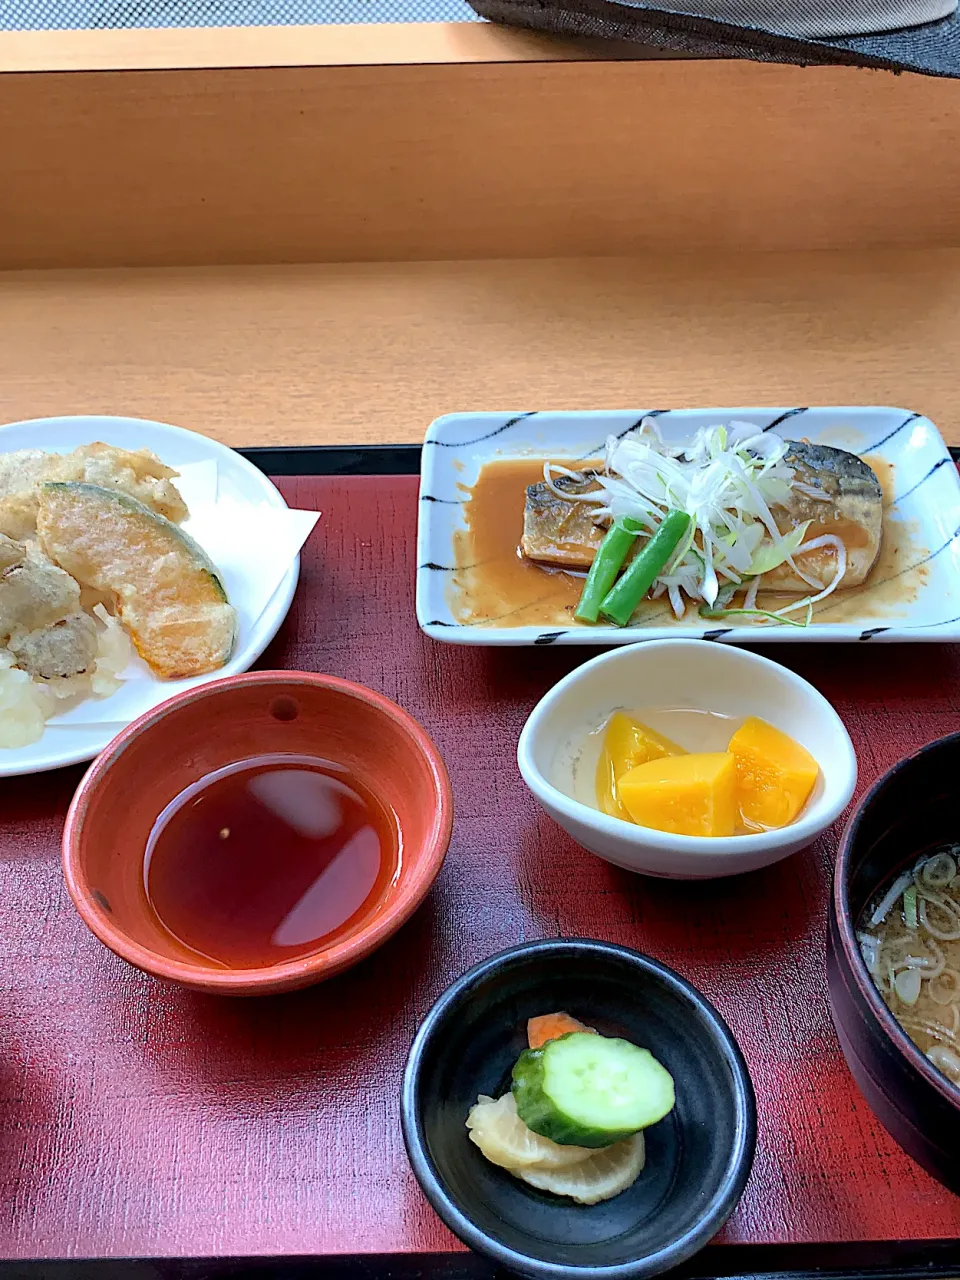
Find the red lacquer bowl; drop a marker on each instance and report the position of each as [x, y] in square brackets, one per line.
[263, 712]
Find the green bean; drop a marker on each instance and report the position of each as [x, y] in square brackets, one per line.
[611, 553]
[622, 599]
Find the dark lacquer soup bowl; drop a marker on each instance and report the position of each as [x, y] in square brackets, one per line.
[913, 808]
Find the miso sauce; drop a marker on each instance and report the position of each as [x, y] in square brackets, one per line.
[267, 859]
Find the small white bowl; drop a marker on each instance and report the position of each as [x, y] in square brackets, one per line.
[668, 674]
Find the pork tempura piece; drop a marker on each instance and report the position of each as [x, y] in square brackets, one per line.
[138, 473]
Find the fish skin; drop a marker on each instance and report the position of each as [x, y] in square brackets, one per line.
[855, 500]
[558, 532]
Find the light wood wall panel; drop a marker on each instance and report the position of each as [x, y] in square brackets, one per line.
[466, 159]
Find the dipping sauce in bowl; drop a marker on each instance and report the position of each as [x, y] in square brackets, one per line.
[332, 852]
[258, 833]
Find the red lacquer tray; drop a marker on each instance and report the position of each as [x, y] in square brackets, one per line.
[139, 1120]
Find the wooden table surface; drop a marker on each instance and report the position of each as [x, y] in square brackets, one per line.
[373, 352]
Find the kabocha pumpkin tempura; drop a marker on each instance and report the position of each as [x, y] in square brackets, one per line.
[572, 1121]
[760, 782]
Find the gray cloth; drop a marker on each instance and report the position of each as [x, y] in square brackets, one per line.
[932, 48]
[819, 18]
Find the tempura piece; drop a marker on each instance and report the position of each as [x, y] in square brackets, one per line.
[46, 632]
[11, 553]
[138, 473]
[168, 592]
[67, 648]
[33, 592]
[21, 472]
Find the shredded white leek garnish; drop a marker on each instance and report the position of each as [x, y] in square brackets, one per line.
[726, 479]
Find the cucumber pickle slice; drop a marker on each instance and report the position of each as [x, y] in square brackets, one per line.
[590, 1091]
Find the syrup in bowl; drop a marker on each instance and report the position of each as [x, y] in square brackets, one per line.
[269, 859]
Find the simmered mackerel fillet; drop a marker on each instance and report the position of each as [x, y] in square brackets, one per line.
[563, 533]
[559, 532]
[137, 473]
[168, 592]
[852, 508]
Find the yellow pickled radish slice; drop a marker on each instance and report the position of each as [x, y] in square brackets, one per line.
[505, 1140]
[603, 1175]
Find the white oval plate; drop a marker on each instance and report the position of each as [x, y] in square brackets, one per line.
[925, 501]
[239, 479]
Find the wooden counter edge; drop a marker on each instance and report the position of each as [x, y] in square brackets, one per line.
[334, 45]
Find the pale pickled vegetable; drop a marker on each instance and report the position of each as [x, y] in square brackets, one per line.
[505, 1140]
[602, 1176]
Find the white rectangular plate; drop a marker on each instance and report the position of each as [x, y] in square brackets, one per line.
[922, 514]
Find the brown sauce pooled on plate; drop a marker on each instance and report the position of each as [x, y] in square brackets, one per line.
[495, 586]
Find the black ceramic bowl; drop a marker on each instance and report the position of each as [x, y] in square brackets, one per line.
[698, 1158]
[911, 809]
